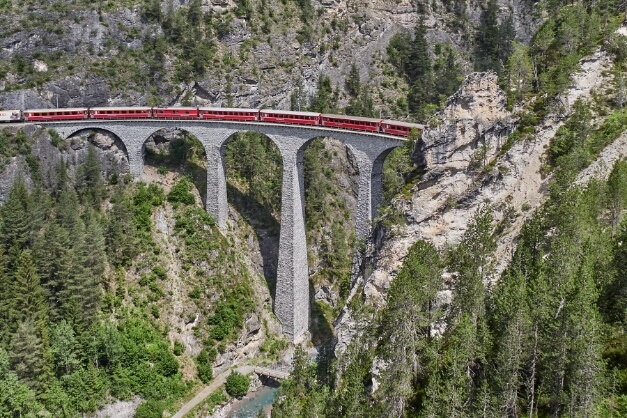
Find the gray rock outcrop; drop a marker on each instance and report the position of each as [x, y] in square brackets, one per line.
[460, 151]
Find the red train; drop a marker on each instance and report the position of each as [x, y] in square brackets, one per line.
[389, 127]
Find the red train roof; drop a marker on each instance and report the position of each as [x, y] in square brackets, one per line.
[409, 125]
[72, 109]
[289, 112]
[119, 108]
[359, 118]
[227, 109]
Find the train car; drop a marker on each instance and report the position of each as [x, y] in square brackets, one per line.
[120, 112]
[175, 112]
[56, 114]
[224, 113]
[286, 116]
[351, 122]
[393, 127]
[10, 115]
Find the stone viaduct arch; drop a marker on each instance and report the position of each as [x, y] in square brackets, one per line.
[292, 287]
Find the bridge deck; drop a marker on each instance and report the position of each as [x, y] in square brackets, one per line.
[215, 122]
[275, 374]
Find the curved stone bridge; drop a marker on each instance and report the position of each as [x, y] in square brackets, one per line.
[292, 289]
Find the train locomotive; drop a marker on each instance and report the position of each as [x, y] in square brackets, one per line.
[384, 126]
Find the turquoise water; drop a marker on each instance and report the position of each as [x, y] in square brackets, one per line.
[249, 408]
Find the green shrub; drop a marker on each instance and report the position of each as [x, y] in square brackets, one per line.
[162, 170]
[167, 365]
[54, 138]
[179, 348]
[150, 409]
[237, 384]
[225, 320]
[203, 366]
[160, 272]
[195, 293]
[180, 193]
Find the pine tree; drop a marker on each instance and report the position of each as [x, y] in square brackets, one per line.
[120, 231]
[461, 385]
[419, 73]
[6, 300]
[585, 363]
[519, 71]
[512, 327]
[353, 81]
[406, 326]
[26, 352]
[61, 179]
[488, 39]
[68, 210]
[89, 181]
[27, 295]
[448, 74]
[471, 261]
[326, 97]
[507, 34]
[617, 190]
[88, 266]
[38, 211]
[52, 251]
[15, 221]
[63, 347]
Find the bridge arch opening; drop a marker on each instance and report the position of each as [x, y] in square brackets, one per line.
[254, 178]
[331, 180]
[171, 154]
[397, 171]
[110, 149]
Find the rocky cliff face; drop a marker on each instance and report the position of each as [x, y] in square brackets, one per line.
[469, 130]
[109, 150]
[466, 167]
[73, 52]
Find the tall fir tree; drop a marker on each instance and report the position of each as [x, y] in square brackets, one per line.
[405, 343]
[27, 356]
[353, 81]
[15, 222]
[120, 231]
[28, 297]
[488, 38]
[6, 301]
[89, 181]
[53, 254]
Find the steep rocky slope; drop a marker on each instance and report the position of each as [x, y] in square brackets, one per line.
[467, 164]
[101, 53]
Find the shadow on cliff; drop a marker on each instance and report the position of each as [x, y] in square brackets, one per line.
[266, 228]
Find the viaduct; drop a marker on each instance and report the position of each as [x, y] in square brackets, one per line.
[292, 289]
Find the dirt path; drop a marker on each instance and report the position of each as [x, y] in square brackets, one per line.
[215, 384]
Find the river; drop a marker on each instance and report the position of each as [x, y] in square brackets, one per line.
[249, 407]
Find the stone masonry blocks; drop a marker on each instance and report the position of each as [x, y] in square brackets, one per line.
[292, 293]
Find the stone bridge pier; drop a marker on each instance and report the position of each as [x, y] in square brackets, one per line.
[292, 301]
